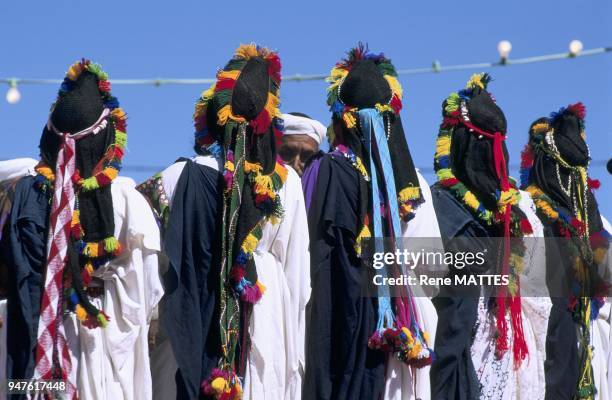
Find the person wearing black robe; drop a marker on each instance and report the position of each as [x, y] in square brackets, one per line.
[473, 198]
[345, 329]
[554, 170]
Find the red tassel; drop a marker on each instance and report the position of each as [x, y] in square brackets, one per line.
[117, 152]
[501, 345]
[237, 273]
[104, 86]
[577, 109]
[251, 294]
[225, 84]
[120, 124]
[274, 67]
[261, 123]
[103, 180]
[449, 182]
[527, 156]
[86, 277]
[579, 226]
[519, 346]
[396, 104]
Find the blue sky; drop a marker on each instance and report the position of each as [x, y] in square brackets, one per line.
[191, 39]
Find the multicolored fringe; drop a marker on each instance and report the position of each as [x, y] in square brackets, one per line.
[519, 227]
[222, 385]
[222, 91]
[95, 254]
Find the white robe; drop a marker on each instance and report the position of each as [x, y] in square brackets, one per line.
[601, 337]
[275, 367]
[404, 382]
[498, 377]
[113, 363]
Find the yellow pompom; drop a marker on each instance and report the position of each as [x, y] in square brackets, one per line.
[443, 146]
[409, 193]
[349, 119]
[250, 243]
[246, 51]
[261, 287]
[471, 200]
[112, 173]
[80, 312]
[281, 171]
[219, 384]
[252, 167]
[475, 81]
[542, 127]
[395, 86]
[74, 71]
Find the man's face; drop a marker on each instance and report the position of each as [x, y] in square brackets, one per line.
[297, 149]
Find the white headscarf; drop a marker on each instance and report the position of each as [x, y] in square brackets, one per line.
[296, 125]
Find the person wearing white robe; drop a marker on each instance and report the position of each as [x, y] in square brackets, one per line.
[113, 363]
[275, 366]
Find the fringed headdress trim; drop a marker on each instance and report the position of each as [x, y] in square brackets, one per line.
[94, 253]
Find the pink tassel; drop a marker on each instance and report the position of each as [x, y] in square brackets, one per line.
[251, 294]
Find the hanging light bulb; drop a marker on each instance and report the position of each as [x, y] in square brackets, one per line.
[12, 95]
[504, 48]
[575, 47]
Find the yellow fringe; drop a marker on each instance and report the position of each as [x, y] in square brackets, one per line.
[364, 233]
[281, 171]
[91, 250]
[349, 119]
[395, 86]
[384, 108]
[250, 243]
[252, 167]
[261, 286]
[475, 81]
[89, 268]
[111, 172]
[118, 113]
[229, 166]
[272, 106]
[80, 312]
[74, 71]
[542, 127]
[225, 113]
[415, 351]
[335, 78]
[445, 173]
[248, 51]
[75, 218]
[471, 200]
[443, 146]
[409, 193]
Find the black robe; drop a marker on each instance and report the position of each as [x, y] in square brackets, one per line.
[189, 311]
[339, 364]
[452, 374]
[23, 252]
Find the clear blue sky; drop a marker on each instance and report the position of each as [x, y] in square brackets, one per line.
[191, 39]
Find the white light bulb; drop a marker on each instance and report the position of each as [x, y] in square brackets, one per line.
[12, 95]
[503, 48]
[575, 47]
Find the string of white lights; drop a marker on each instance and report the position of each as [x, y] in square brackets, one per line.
[575, 49]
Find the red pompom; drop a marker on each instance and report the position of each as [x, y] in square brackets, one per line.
[261, 123]
[527, 156]
[225, 84]
[594, 183]
[396, 104]
[237, 273]
[274, 67]
[577, 109]
[104, 86]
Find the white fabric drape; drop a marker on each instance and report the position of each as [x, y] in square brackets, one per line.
[403, 382]
[113, 363]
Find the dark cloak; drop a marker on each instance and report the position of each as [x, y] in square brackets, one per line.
[339, 364]
[189, 310]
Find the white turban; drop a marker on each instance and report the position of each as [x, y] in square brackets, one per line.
[296, 125]
[16, 168]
